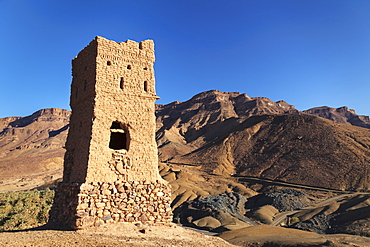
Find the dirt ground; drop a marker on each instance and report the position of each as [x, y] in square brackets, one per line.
[120, 234]
[265, 235]
[127, 234]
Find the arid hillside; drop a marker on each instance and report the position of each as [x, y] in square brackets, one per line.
[185, 127]
[31, 148]
[293, 148]
[220, 133]
[231, 133]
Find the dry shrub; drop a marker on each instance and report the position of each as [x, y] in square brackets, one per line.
[25, 209]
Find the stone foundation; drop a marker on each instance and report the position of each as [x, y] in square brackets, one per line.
[80, 205]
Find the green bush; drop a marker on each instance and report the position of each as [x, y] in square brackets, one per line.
[294, 220]
[25, 209]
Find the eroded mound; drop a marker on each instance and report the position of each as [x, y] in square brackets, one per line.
[349, 215]
[216, 213]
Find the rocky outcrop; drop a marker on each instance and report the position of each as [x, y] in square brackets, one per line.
[283, 200]
[213, 212]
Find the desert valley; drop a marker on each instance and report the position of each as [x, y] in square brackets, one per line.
[185, 123]
[253, 171]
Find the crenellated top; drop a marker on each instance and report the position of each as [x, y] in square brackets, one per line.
[143, 50]
[146, 45]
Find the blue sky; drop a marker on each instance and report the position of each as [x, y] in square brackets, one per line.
[307, 52]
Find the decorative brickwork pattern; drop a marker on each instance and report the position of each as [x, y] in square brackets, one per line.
[111, 163]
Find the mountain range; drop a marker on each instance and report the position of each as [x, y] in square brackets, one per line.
[221, 133]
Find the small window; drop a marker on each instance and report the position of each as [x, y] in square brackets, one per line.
[109, 63]
[128, 66]
[145, 86]
[85, 85]
[121, 83]
[145, 68]
[118, 137]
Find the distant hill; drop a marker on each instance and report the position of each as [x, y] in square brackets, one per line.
[31, 148]
[340, 115]
[222, 133]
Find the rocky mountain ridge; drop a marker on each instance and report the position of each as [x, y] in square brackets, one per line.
[231, 133]
[340, 115]
[223, 133]
[193, 122]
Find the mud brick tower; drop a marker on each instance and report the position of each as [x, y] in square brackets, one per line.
[111, 163]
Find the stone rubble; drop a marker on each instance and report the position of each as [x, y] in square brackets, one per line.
[97, 203]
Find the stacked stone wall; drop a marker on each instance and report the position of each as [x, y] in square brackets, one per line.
[81, 205]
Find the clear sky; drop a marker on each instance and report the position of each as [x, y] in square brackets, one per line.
[307, 52]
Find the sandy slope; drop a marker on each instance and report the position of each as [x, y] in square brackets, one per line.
[280, 236]
[122, 234]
